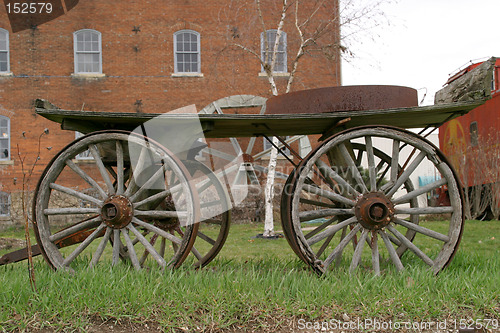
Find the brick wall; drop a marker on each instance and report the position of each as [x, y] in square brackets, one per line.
[138, 67]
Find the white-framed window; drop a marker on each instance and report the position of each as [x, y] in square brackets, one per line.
[88, 51]
[4, 51]
[4, 138]
[86, 155]
[268, 145]
[267, 52]
[4, 204]
[187, 52]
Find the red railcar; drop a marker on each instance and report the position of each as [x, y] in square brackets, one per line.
[472, 143]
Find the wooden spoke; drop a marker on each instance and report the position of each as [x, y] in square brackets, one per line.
[210, 204]
[131, 187]
[158, 196]
[86, 178]
[157, 230]
[324, 246]
[314, 214]
[110, 169]
[354, 168]
[83, 245]
[375, 253]
[342, 236]
[131, 251]
[322, 235]
[424, 189]
[424, 210]
[394, 240]
[321, 227]
[329, 195]
[356, 258]
[407, 173]
[316, 203]
[75, 193]
[204, 185]
[338, 250]
[371, 163]
[160, 214]
[117, 243]
[100, 248]
[220, 154]
[395, 161]
[70, 211]
[392, 252]
[422, 230]
[145, 255]
[163, 244]
[147, 185]
[102, 169]
[196, 253]
[138, 168]
[328, 172]
[410, 245]
[206, 238]
[159, 259]
[120, 177]
[80, 226]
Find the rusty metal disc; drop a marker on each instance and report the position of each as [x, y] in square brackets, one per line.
[344, 98]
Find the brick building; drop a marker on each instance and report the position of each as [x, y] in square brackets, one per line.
[133, 56]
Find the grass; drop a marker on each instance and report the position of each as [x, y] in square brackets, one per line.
[254, 283]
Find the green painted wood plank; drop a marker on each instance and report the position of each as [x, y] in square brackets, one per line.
[246, 125]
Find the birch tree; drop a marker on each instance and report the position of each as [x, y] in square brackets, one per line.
[319, 29]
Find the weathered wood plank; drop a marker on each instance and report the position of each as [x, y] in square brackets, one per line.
[472, 85]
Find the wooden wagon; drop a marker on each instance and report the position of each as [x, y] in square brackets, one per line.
[142, 202]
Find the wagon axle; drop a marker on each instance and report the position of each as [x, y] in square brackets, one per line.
[117, 211]
[374, 211]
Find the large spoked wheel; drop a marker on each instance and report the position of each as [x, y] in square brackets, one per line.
[358, 150]
[215, 215]
[115, 193]
[349, 191]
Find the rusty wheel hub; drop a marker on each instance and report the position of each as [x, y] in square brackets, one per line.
[374, 211]
[117, 211]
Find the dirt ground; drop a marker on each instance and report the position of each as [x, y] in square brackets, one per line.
[282, 327]
[10, 243]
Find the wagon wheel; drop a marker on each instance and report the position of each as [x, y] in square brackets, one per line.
[331, 202]
[215, 215]
[359, 150]
[113, 200]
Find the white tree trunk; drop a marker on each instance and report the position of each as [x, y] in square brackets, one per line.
[269, 192]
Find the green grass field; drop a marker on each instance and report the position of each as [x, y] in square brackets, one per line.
[253, 284]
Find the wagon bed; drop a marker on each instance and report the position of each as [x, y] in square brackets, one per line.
[249, 125]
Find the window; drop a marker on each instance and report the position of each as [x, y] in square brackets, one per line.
[187, 52]
[4, 138]
[267, 54]
[4, 51]
[88, 52]
[4, 204]
[474, 134]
